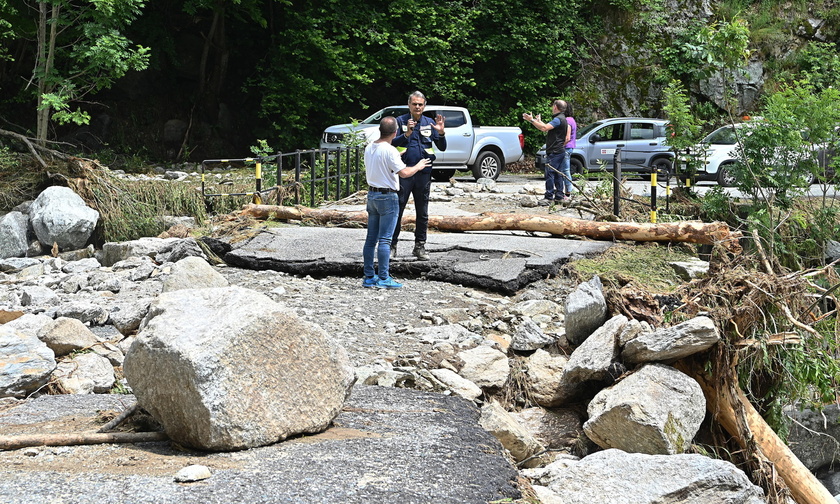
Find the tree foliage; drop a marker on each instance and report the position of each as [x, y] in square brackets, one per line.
[282, 70]
[79, 50]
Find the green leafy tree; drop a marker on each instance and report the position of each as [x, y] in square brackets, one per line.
[329, 61]
[80, 50]
[684, 129]
[781, 155]
[725, 50]
[820, 63]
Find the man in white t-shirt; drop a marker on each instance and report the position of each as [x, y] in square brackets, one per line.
[383, 168]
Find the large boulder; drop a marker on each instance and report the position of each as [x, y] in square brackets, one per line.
[13, 242]
[485, 366]
[586, 311]
[228, 368]
[671, 343]
[65, 335]
[542, 372]
[615, 477]
[86, 373]
[656, 410]
[25, 361]
[814, 436]
[193, 273]
[521, 444]
[60, 216]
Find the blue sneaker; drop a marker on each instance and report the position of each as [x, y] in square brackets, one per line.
[370, 281]
[388, 283]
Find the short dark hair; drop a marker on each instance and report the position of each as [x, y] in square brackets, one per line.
[569, 110]
[387, 126]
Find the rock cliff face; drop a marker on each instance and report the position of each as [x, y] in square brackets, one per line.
[623, 72]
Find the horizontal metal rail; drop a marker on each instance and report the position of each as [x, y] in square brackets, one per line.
[302, 177]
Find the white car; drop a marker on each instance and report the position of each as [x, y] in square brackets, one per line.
[719, 153]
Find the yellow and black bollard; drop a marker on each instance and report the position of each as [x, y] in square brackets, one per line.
[257, 200]
[653, 196]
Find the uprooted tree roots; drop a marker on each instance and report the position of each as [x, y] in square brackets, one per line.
[760, 314]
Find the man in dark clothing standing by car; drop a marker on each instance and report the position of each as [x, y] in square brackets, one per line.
[556, 136]
[417, 137]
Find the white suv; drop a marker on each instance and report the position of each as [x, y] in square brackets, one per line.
[720, 152]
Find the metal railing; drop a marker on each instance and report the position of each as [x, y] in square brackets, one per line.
[654, 184]
[303, 177]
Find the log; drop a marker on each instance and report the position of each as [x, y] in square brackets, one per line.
[78, 438]
[804, 486]
[691, 232]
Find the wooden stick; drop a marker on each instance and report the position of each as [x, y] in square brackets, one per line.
[79, 438]
[119, 418]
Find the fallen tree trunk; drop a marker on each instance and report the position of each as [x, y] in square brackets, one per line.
[690, 232]
[79, 438]
[720, 401]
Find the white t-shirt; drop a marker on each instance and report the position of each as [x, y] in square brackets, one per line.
[382, 162]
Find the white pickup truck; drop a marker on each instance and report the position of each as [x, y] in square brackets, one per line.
[484, 150]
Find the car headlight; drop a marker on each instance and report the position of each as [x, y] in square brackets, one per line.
[333, 137]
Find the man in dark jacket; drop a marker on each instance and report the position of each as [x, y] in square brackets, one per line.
[417, 137]
[557, 135]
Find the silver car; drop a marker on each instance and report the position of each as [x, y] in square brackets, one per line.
[641, 140]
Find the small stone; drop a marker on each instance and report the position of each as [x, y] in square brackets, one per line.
[192, 473]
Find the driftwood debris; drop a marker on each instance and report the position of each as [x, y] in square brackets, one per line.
[722, 403]
[119, 418]
[79, 438]
[34, 148]
[690, 232]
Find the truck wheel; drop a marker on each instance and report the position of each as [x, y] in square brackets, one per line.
[724, 176]
[576, 166]
[442, 175]
[487, 165]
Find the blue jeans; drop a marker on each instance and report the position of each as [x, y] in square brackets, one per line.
[566, 169]
[554, 182]
[382, 209]
[419, 185]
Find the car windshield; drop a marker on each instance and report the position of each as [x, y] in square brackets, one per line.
[589, 128]
[722, 136]
[390, 111]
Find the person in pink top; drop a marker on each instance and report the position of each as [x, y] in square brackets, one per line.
[570, 146]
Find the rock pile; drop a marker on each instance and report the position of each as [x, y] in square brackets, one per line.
[586, 403]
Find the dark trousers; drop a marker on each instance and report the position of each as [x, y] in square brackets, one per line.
[419, 185]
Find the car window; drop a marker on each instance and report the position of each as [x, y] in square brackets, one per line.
[390, 111]
[641, 131]
[722, 136]
[589, 128]
[454, 118]
[611, 132]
